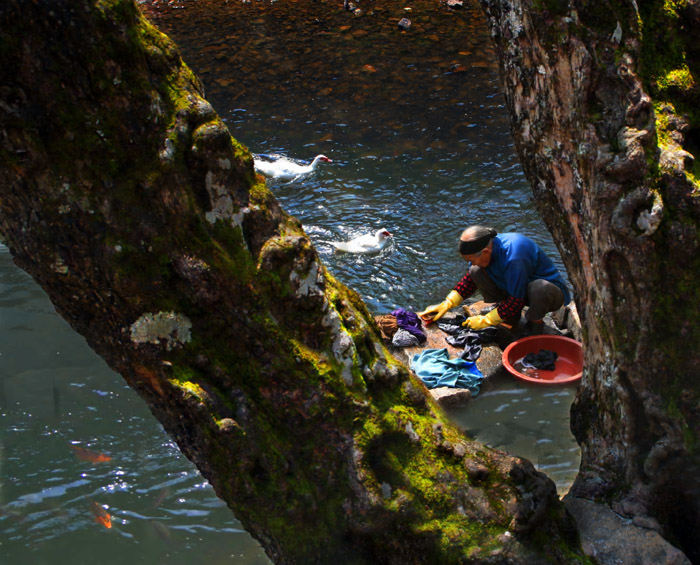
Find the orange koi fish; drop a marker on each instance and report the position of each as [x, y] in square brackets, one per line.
[101, 515]
[87, 455]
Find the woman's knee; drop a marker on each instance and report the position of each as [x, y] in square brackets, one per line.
[546, 296]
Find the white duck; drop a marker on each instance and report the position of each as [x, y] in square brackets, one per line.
[285, 169]
[367, 243]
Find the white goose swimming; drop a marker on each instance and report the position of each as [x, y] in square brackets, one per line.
[285, 169]
[367, 243]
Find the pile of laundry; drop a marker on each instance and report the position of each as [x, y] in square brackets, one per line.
[544, 359]
[470, 340]
[434, 366]
[402, 327]
[436, 369]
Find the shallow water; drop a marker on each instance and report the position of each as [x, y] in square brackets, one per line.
[418, 133]
[56, 392]
[528, 420]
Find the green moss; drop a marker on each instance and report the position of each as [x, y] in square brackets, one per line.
[689, 440]
[418, 475]
[191, 389]
[676, 375]
[564, 553]
[672, 7]
[663, 110]
[665, 66]
[229, 253]
[694, 177]
[661, 113]
[461, 537]
[679, 79]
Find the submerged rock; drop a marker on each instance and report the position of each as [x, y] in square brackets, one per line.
[404, 24]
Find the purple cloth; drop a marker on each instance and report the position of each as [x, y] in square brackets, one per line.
[410, 322]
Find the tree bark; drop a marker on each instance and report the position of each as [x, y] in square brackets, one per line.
[607, 163]
[123, 194]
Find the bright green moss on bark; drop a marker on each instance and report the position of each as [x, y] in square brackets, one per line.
[664, 49]
[670, 67]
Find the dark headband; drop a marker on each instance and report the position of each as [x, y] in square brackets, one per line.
[475, 245]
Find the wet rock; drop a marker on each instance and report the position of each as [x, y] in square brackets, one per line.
[477, 472]
[229, 425]
[437, 432]
[676, 160]
[566, 320]
[610, 539]
[415, 395]
[447, 396]
[477, 506]
[458, 450]
[490, 362]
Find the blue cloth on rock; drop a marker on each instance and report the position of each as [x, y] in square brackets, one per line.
[435, 369]
[410, 322]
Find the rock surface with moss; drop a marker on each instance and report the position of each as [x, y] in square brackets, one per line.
[123, 194]
[603, 99]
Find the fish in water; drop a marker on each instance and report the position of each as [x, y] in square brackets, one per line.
[161, 529]
[162, 495]
[12, 514]
[87, 455]
[101, 515]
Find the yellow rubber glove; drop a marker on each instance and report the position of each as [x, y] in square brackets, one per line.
[481, 322]
[437, 311]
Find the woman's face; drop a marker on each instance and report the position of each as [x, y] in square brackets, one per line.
[480, 259]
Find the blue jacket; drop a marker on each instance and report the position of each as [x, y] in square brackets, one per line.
[516, 261]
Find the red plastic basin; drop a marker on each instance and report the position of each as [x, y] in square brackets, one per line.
[567, 368]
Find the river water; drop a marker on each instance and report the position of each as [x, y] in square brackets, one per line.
[415, 124]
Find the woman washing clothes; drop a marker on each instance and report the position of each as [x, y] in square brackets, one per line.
[511, 270]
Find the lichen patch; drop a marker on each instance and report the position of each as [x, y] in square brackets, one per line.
[59, 266]
[311, 285]
[221, 201]
[164, 328]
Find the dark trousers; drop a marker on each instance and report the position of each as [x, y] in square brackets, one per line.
[542, 296]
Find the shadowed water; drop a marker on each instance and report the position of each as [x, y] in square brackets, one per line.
[415, 124]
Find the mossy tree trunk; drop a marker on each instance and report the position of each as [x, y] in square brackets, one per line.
[604, 101]
[123, 194]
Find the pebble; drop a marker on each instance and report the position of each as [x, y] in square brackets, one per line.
[404, 24]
